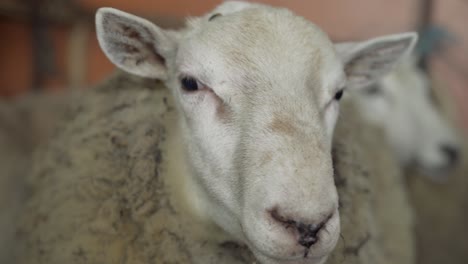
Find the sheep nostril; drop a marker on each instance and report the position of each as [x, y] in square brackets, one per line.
[451, 152]
[308, 233]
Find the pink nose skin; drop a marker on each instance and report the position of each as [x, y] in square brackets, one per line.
[307, 233]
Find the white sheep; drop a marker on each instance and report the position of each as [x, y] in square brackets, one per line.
[257, 90]
[402, 103]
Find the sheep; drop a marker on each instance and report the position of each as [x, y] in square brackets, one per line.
[402, 103]
[433, 146]
[243, 123]
[24, 123]
[413, 115]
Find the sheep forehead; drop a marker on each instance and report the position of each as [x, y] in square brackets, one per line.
[261, 45]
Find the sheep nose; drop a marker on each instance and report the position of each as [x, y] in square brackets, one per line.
[308, 233]
[451, 152]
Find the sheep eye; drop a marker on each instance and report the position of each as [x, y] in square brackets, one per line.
[339, 94]
[189, 84]
[373, 90]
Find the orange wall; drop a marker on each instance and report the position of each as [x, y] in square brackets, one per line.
[341, 19]
[344, 20]
[16, 74]
[15, 54]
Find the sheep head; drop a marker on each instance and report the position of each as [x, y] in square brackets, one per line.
[258, 91]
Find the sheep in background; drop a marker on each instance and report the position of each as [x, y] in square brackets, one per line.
[414, 114]
[402, 103]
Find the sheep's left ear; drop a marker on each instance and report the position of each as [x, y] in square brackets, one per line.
[134, 44]
[365, 62]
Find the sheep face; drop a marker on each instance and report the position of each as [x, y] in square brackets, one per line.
[257, 89]
[402, 104]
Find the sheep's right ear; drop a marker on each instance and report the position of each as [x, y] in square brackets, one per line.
[133, 44]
